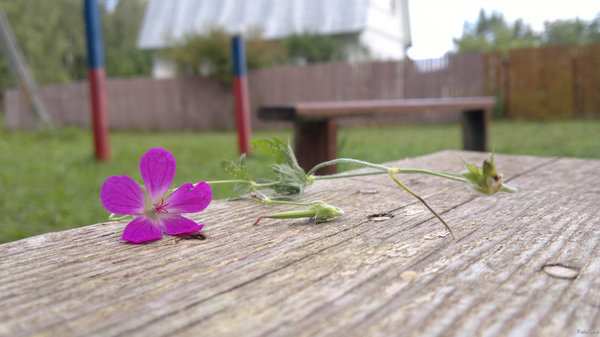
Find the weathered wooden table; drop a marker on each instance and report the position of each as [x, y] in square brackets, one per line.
[522, 264]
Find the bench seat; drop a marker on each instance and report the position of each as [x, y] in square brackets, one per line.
[315, 128]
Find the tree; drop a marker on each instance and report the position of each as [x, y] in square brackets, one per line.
[120, 28]
[574, 32]
[51, 35]
[45, 33]
[493, 33]
[210, 54]
[313, 48]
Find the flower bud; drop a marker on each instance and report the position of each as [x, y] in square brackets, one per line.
[485, 180]
[318, 211]
[324, 211]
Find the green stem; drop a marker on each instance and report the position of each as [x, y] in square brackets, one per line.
[265, 184]
[348, 175]
[383, 168]
[262, 195]
[241, 181]
[396, 170]
[391, 173]
[434, 173]
[268, 200]
[347, 161]
[233, 181]
[508, 189]
[283, 202]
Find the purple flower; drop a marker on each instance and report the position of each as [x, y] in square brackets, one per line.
[157, 210]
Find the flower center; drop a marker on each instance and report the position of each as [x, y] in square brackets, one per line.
[162, 207]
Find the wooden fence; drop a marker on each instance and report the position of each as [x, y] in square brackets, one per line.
[535, 83]
[547, 83]
[134, 104]
[203, 104]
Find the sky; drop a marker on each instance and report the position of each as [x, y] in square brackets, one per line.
[435, 22]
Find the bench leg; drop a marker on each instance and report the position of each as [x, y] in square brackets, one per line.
[316, 142]
[475, 129]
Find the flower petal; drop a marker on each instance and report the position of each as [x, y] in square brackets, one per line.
[157, 167]
[122, 195]
[142, 229]
[189, 198]
[174, 224]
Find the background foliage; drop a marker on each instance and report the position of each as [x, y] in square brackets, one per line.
[494, 33]
[210, 54]
[51, 35]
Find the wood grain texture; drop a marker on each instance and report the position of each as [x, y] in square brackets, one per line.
[387, 267]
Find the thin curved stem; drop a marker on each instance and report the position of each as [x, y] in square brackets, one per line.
[283, 202]
[508, 189]
[348, 175]
[347, 161]
[391, 173]
[262, 195]
[396, 170]
[241, 181]
[232, 181]
[434, 173]
[265, 184]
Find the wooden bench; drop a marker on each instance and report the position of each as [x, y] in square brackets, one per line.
[315, 129]
[523, 264]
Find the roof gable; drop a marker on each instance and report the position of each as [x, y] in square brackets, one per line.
[169, 21]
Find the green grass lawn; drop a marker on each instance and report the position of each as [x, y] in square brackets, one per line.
[51, 182]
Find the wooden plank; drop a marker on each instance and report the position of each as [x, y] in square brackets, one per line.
[321, 110]
[345, 277]
[414, 105]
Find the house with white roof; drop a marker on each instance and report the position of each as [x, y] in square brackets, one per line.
[380, 25]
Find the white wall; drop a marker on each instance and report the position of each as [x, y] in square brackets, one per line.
[386, 32]
[163, 68]
[382, 47]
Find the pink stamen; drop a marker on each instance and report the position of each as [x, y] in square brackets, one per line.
[161, 208]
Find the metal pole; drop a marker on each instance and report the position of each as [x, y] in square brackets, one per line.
[97, 80]
[240, 91]
[21, 72]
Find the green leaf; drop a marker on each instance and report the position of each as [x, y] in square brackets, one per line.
[472, 168]
[274, 147]
[236, 170]
[292, 180]
[290, 176]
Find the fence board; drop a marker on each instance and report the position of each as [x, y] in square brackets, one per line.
[586, 82]
[204, 104]
[535, 83]
[554, 82]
